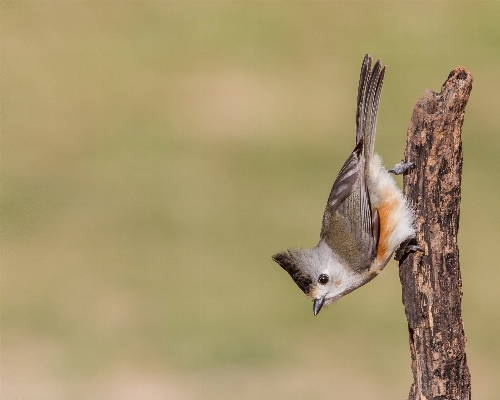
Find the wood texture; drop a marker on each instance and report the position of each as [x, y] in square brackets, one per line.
[431, 280]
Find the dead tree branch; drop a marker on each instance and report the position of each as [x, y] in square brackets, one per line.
[431, 280]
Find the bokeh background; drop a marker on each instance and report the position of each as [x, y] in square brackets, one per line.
[155, 155]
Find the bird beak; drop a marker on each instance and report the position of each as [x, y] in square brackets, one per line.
[318, 303]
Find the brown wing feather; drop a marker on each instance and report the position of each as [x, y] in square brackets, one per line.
[347, 221]
[346, 179]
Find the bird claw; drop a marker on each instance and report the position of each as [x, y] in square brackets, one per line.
[406, 248]
[401, 167]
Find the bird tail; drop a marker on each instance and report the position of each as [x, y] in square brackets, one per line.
[369, 89]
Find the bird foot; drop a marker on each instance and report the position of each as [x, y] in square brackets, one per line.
[406, 248]
[401, 167]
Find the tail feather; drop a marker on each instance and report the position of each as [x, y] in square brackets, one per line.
[363, 79]
[370, 87]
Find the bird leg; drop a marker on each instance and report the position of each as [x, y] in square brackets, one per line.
[401, 167]
[406, 247]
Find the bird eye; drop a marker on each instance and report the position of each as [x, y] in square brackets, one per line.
[323, 279]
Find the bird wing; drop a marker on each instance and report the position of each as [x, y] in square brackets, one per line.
[347, 222]
[350, 226]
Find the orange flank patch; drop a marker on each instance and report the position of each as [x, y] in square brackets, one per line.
[387, 226]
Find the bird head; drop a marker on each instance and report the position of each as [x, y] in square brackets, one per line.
[320, 274]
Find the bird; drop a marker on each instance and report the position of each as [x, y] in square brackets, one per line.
[367, 218]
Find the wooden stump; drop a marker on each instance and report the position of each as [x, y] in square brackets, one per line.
[431, 280]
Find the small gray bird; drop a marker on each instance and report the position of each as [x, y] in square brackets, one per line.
[366, 217]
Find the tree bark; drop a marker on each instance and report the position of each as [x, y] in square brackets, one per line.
[431, 280]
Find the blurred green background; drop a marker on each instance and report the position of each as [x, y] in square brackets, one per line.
[156, 154]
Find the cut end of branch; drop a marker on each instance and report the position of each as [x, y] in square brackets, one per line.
[453, 96]
[459, 73]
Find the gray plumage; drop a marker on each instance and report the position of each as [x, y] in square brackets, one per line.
[350, 252]
[347, 221]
